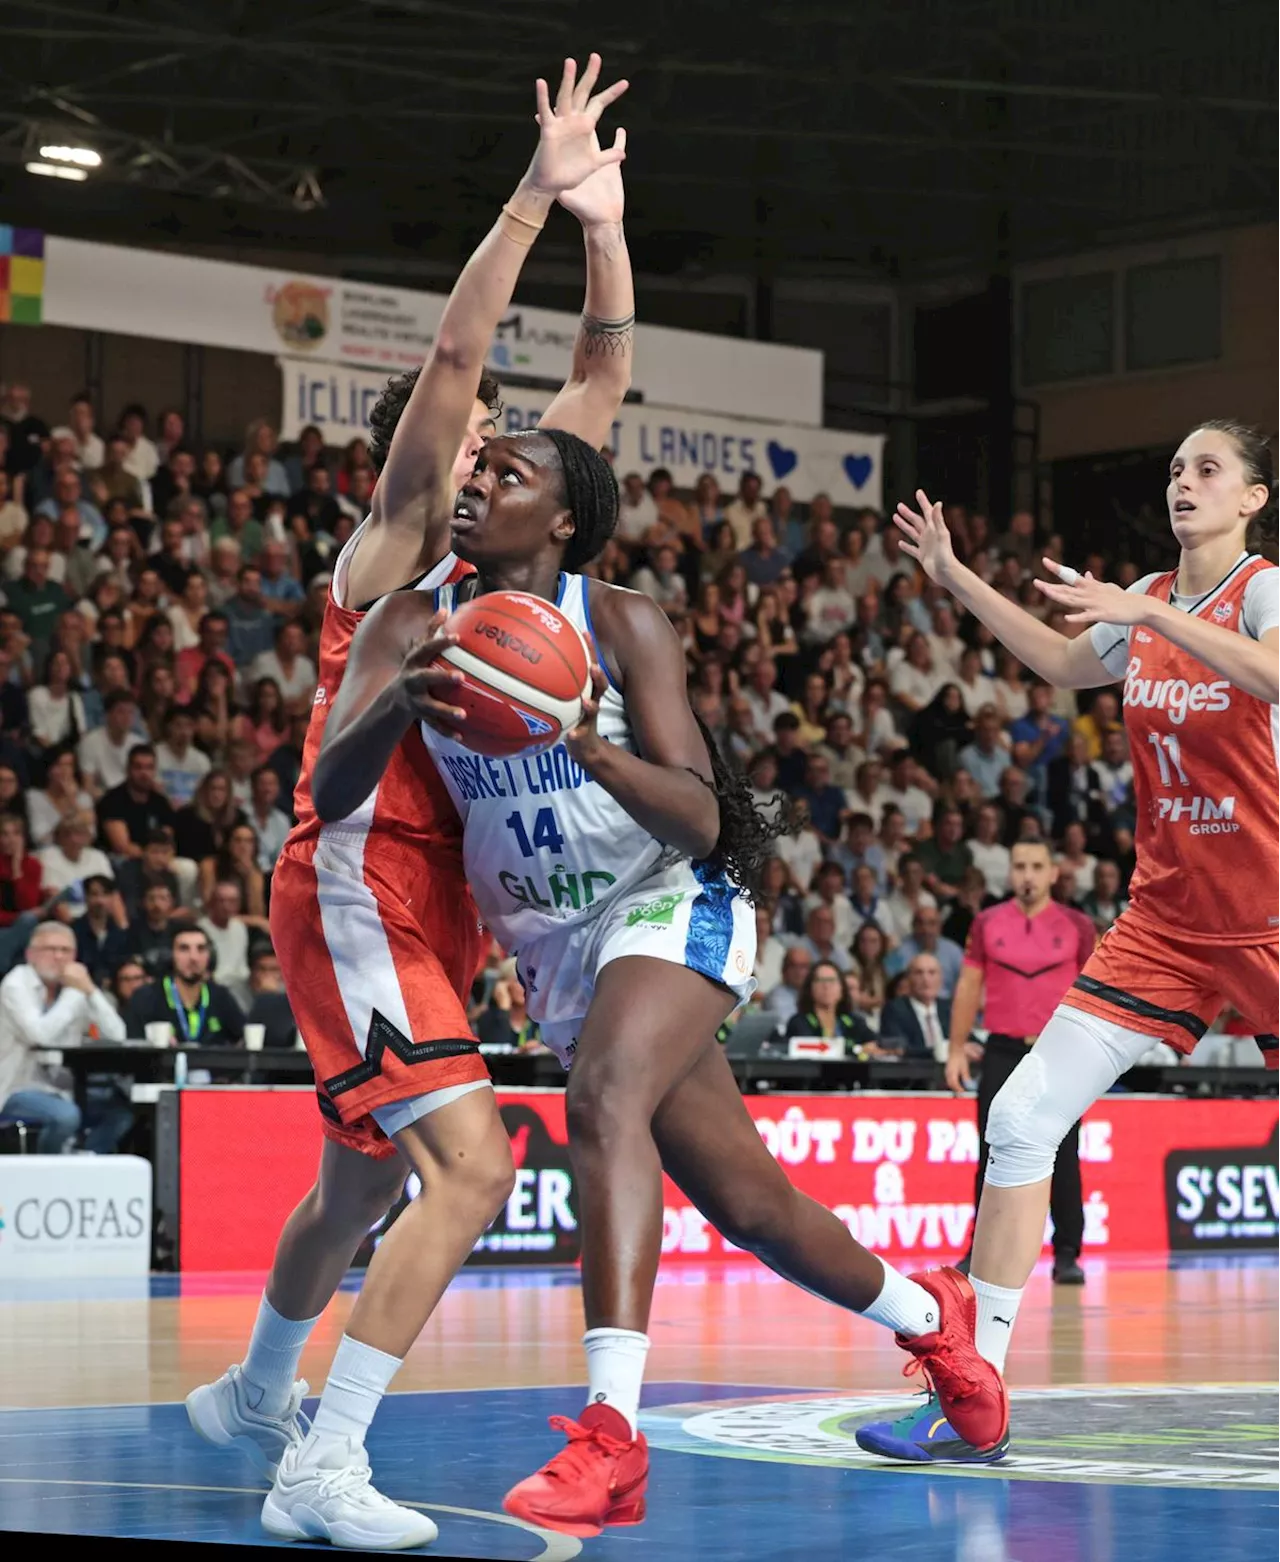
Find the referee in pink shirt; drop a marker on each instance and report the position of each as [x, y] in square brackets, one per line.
[1022, 955]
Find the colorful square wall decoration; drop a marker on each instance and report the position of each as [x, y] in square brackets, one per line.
[21, 275]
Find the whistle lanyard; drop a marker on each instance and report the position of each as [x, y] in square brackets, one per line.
[190, 1021]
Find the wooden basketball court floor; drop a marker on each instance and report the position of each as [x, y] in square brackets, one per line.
[1144, 1419]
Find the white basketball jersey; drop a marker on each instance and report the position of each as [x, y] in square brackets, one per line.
[545, 846]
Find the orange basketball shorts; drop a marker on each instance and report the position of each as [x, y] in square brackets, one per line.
[378, 956]
[1164, 982]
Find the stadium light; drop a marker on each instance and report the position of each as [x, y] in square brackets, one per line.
[81, 156]
[57, 171]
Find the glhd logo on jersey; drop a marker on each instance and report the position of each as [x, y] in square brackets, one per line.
[1174, 695]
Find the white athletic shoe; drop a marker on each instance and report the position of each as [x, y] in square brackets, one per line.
[330, 1497]
[220, 1412]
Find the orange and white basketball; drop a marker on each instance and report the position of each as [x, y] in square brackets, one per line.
[526, 671]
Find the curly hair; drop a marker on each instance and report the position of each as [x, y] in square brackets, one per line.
[389, 407]
[747, 834]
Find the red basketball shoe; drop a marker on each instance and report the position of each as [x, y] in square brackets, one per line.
[970, 1390]
[599, 1479]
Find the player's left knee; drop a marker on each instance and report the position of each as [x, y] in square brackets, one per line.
[1024, 1129]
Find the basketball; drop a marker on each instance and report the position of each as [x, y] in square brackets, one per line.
[526, 671]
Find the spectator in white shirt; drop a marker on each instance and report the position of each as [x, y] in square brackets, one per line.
[976, 689]
[90, 451]
[104, 752]
[143, 460]
[831, 608]
[945, 644]
[71, 859]
[820, 941]
[770, 953]
[915, 680]
[228, 934]
[62, 797]
[271, 824]
[56, 709]
[662, 582]
[909, 897]
[180, 766]
[288, 666]
[904, 791]
[880, 562]
[828, 890]
[766, 700]
[745, 510]
[868, 794]
[802, 850]
[50, 1003]
[990, 855]
[637, 512]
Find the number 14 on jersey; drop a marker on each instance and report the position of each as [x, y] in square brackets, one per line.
[545, 833]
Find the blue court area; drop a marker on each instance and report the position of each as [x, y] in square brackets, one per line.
[738, 1472]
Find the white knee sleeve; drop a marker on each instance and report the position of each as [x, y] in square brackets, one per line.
[1077, 1058]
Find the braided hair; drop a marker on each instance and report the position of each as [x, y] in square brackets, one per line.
[389, 408]
[747, 834]
[1259, 465]
[590, 495]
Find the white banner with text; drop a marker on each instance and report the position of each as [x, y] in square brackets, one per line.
[74, 1216]
[848, 466]
[214, 303]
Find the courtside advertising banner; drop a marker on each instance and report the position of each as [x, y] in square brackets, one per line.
[1160, 1175]
[214, 303]
[71, 1217]
[847, 466]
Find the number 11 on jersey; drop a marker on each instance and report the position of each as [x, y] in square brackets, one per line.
[1161, 744]
[545, 833]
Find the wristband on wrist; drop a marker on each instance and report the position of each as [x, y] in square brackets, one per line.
[520, 230]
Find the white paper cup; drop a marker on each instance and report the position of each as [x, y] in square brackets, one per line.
[160, 1033]
[254, 1036]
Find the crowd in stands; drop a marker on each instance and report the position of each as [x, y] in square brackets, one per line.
[162, 601]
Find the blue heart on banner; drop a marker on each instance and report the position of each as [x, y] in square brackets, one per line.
[858, 469]
[781, 459]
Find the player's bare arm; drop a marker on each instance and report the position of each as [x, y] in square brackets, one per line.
[1067, 664]
[412, 502]
[602, 352]
[667, 787]
[1251, 665]
[392, 679]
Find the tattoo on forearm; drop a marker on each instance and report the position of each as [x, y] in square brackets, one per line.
[611, 338]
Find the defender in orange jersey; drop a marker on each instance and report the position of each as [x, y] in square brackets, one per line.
[1197, 651]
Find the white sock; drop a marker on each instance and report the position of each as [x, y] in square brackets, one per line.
[997, 1310]
[615, 1370]
[904, 1306]
[358, 1379]
[271, 1364]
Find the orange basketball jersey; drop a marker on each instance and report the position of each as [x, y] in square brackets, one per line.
[410, 802]
[1205, 782]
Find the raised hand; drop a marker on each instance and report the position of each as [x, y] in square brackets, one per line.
[568, 151]
[599, 201]
[1091, 601]
[925, 537]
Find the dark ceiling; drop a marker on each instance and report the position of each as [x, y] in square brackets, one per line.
[865, 139]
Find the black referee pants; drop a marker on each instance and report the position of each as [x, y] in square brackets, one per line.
[1066, 1192]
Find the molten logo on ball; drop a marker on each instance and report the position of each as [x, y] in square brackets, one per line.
[508, 641]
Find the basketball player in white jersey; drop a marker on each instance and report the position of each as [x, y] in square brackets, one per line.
[377, 934]
[615, 867]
